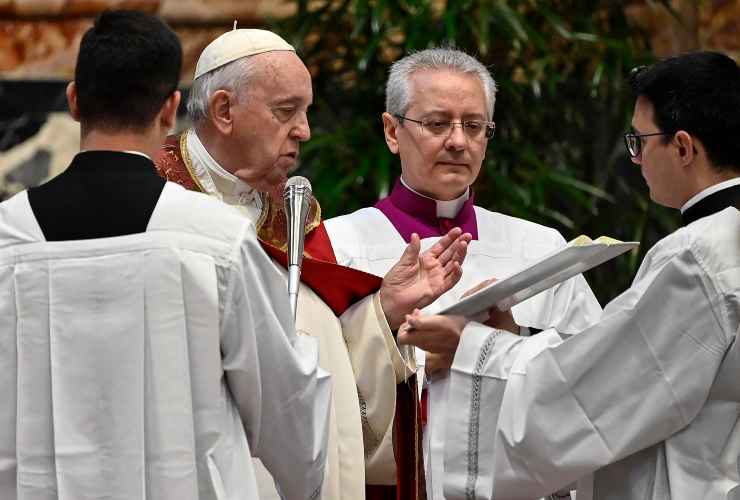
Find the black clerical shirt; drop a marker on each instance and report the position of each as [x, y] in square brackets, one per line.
[715, 202]
[101, 194]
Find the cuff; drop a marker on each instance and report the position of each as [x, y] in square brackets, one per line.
[402, 358]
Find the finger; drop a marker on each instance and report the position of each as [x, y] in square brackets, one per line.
[425, 341]
[411, 253]
[445, 241]
[452, 250]
[409, 318]
[479, 286]
[462, 251]
[407, 336]
[458, 258]
[452, 275]
[430, 322]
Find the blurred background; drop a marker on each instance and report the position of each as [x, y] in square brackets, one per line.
[563, 104]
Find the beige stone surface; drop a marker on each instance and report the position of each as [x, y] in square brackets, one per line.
[59, 138]
[50, 8]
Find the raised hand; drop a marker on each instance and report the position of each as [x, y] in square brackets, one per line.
[417, 280]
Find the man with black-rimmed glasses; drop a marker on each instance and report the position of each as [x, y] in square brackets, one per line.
[647, 399]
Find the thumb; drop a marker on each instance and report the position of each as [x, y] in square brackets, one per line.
[411, 253]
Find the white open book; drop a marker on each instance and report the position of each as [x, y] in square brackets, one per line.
[581, 254]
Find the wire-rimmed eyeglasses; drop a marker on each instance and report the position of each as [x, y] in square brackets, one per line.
[633, 142]
[474, 129]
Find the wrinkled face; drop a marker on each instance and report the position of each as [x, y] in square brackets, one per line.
[440, 167]
[657, 161]
[270, 121]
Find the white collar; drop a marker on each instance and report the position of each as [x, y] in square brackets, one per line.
[131, 152]
[445, 208]
[216, 181]
[710, 190]
[140, 154]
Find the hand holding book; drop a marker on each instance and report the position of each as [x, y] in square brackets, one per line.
[493, 317]
[577, 256]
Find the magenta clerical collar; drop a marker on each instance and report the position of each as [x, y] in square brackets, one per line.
[410, 212]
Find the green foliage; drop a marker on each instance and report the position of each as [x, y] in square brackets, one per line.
[563, 104]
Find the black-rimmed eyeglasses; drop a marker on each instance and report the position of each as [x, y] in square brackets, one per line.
[474, 129]
[633, 142]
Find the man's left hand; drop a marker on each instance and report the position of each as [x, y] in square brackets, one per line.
[417, 280]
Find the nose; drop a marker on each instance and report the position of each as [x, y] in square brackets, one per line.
[456, 140]
[301, 131]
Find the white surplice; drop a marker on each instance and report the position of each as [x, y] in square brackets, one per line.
[132, 366]
[368, 241]
[648, 399]
[357, 348]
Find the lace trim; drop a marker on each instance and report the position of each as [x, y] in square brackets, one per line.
[369, 437]
[474, 428]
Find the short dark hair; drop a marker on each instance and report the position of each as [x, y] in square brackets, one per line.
[697, 92]
[129, 63]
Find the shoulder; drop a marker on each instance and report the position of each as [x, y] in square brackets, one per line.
[17, 223]
[198, 214]
[714, 240]
[171, 164]
[355, 226]
[350, 234]
[530, 237]
[707, 249]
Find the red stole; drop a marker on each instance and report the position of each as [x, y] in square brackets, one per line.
[339, 287]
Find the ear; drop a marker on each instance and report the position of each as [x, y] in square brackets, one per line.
[390, 127]
[219, 111]
[168, 116]
[74, 110]
[685, 147]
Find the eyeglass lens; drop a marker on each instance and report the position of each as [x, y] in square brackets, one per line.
[471, 128]
[633, 144]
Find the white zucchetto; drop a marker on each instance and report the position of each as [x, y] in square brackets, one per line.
[236, 44]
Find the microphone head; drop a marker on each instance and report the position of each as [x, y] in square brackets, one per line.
[296, 197]
[297, 182]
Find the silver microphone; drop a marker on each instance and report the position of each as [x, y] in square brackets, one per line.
[296, 196]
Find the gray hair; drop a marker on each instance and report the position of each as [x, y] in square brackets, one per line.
[397, 89]
[233, 76]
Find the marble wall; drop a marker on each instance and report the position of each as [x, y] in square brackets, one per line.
[39, 41]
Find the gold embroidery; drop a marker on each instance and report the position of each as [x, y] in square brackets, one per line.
[185, 155]
[272, 223]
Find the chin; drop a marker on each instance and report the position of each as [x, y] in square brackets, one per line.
[452, 187]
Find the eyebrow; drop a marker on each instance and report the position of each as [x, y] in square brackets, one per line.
[290, 100]
[465, 117]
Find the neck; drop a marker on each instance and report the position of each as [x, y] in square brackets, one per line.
[707, 178]
[433, 196]
[97, 140]
[216, 145]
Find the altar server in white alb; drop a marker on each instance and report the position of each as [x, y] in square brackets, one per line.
[648, 399]
[146, 344]
[438, 119]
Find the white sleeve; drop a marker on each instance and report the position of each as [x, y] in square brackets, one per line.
[378, 365]
[538, 413]
[273, 375]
